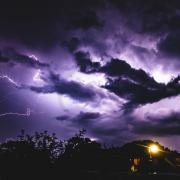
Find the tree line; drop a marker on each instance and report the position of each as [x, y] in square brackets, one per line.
[43, 155]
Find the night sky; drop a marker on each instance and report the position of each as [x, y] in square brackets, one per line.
[108, 66]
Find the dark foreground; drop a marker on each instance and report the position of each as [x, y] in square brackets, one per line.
[97, 176]
[120, 176]
[42, 156]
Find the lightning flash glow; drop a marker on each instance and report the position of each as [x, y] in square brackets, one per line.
[37, 76]
[33, 57]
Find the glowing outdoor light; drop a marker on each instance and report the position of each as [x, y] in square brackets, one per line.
[153, 149]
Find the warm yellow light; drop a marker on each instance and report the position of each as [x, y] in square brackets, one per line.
[153, 148]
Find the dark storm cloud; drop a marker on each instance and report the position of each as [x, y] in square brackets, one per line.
[45, 24]
[55, 84]
[72, 44]
[10, 55]
[159, 126]
[114, 68]
[117, 68]
[155, 16]
[86, 20]
[170, 45]
[84, 119]
[3, 59]
[72, 89]
[82, 58]
[48, 24]
[136, 85]
[62, 118]
[84, 62]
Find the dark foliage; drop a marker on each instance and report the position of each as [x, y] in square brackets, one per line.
[42, 156]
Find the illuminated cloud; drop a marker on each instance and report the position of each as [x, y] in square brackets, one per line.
[10, 55]
[100, 65]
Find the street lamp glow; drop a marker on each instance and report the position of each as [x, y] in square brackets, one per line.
[153, 149]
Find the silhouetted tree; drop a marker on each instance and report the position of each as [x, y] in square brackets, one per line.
[28, 153]
[80, 152]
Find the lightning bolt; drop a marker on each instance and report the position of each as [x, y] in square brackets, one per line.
[37, 76]
[27, 114]
[10, 80]
[33, 57]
